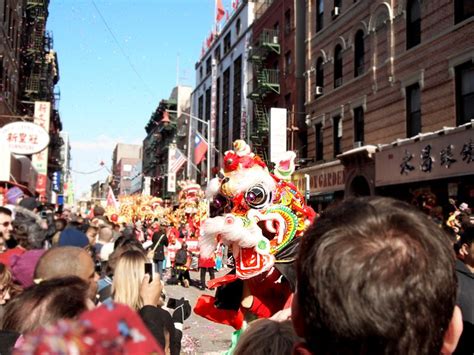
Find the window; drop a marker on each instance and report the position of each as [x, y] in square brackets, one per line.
[238, 27]
[359, 51]
[413, 23]
[207, 115]
[319, 15]
[337, 135]
[227, 44]
[287, 22]
[319, 142]
[200, 111]
[217, 54]
[465, 93]
[208, 65]
[287, 62]
[225, 110]
[359, 124]
[200, 73]
[319, 76]
[338, 66]
[413, 110]
[463, 9]
[237, 103]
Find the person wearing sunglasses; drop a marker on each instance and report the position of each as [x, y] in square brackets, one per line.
[5, 222]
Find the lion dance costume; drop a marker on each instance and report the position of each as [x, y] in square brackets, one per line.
[261, 218]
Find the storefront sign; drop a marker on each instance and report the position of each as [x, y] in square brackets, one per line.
[435, 157]
[24, 137]
[40, 160]
[328, 177]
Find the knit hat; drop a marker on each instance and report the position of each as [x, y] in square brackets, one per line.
[73, 238]
[13, 195]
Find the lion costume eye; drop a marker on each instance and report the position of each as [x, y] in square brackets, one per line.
[257, 196]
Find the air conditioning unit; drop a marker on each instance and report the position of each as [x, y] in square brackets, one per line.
[319, 90]
[358, 144]
[336, 11]
[275, 39]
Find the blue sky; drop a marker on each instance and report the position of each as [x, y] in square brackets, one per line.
[103, 100]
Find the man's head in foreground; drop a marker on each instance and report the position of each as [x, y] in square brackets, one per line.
[376, 276]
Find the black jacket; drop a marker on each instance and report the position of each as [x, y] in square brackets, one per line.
[157, 321]
[160, 250]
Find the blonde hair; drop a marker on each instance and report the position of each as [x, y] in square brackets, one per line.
[128, 277]
[266, 336]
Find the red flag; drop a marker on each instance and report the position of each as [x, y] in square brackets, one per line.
[200, 148]
[235, 4]
[220, 13]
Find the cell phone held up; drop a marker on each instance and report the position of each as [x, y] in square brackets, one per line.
[149, 270]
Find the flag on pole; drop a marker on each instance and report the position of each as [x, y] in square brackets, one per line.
[111, 200]
[200, 148]
[220, 11]
[176, 159]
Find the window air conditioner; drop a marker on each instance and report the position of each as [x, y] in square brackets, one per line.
[319, 90]
[336, 11]
[358, 144]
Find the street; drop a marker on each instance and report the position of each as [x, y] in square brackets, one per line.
[201, 336]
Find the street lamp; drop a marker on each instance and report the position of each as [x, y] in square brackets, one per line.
[209, 148]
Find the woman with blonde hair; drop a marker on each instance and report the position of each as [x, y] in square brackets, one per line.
[132, 286]
[128, 278]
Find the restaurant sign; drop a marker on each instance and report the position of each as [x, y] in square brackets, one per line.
[24, 137]
[436, 157]
[323, 178]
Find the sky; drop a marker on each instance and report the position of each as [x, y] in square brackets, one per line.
[117, 60]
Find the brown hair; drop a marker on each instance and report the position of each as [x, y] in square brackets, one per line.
[375, 276]
[266, 336]
[45, 303]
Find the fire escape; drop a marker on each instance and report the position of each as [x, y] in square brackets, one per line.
[34, 61]
[266, 81]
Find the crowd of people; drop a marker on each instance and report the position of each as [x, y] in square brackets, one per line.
[374, 276]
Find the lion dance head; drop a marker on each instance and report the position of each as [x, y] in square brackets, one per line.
[262, 214]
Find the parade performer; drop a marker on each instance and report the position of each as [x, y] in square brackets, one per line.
[263, 217]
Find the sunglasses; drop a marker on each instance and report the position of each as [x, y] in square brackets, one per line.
[6, 224]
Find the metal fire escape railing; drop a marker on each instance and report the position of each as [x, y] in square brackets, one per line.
[37, 73]
[265, 81]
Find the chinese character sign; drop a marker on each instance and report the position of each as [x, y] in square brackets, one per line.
[40, 160]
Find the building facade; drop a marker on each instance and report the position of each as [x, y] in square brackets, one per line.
[11, 22]
[220, 95]
[124, 157]
[278, 67]
[382, 73]
[29, 73]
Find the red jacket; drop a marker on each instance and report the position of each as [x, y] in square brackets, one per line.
[207, 262]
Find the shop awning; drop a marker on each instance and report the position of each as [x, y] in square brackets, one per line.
[10, 184]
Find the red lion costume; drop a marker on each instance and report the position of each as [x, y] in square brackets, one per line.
[261, 217]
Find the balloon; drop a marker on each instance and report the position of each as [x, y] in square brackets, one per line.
[114, 218]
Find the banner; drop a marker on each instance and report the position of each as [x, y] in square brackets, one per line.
[40, 160]
[277, 133]
[171, 183]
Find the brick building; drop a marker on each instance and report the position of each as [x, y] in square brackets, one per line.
[275, 83]
[381, 77]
